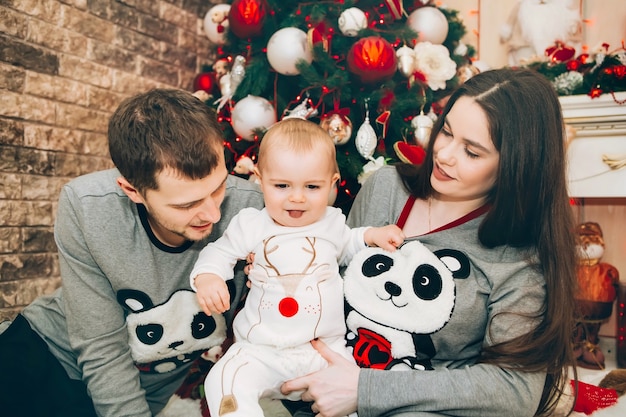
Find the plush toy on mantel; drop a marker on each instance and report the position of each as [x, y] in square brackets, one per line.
[386, 291]
[597, 286]
[535, 25]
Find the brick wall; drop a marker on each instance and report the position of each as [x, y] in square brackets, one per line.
[64, 67]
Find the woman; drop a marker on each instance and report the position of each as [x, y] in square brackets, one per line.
[492, 186]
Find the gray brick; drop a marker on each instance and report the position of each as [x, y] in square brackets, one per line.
[10, 186]
[23, 55]
[11, 132]
[39, 239]
[11, 77]
[34, 161]
[10, 240]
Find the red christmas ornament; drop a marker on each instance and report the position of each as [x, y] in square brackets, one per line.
[576, 64]
[372, 59]
[619, 71]
[246, 17]
[559, 52]
[319, 34]
[205, 81]
[573, 65]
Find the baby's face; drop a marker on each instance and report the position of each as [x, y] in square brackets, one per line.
[296, 186]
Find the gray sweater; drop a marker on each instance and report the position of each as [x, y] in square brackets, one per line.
[501, 280]
[112, 268]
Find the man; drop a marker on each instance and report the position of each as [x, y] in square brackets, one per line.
[125, 322]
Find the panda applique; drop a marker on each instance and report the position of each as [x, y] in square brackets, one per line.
[165, 336]
[395, 300]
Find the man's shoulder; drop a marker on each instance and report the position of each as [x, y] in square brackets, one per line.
[243, 193]
[95, 183]
[235, 182]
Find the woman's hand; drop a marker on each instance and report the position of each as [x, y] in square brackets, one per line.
[333, 390]
[248, 267]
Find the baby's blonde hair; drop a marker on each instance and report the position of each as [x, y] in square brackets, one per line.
[299, 135]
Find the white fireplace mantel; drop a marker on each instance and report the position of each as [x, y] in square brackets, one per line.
[600, 131]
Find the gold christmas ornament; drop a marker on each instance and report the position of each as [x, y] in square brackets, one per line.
[338, 126]
[465, 72]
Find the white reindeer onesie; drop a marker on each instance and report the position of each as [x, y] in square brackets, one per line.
[296, 296]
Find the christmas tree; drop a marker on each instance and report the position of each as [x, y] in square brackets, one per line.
[373, 73]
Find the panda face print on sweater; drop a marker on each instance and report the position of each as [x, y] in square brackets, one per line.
[396, 299]
[165, 336]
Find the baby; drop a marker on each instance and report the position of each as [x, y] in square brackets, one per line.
[296, 292]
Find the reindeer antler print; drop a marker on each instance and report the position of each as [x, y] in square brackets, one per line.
[266, 252]
[312, 251]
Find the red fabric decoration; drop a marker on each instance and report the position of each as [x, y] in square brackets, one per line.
[411, 154]
[559, 52]
[591, 398]
[246, 17]
[372, 59]
[383, 120]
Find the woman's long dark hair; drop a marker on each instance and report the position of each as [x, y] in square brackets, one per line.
[529, 209]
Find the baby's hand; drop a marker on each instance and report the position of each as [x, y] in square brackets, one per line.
[387, 237]
[212, 293]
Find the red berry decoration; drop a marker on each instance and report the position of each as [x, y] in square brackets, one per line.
[246, 17]
[205, 81]
[372, 59]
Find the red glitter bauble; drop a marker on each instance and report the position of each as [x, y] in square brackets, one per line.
[205, 81]
[372, 59]
[246, 17]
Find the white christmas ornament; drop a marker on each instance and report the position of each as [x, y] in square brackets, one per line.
[422, 126]
[430, 24]
[304, 110]
[406, 60]
[365, 140]
[230, 81]
[252, 113]
[351, 21]
[216, 23]
[286, 48]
